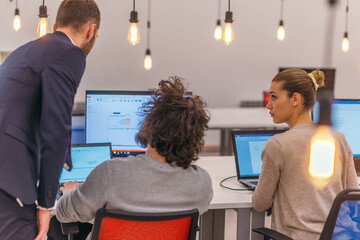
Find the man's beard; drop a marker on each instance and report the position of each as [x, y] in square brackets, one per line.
[86, 47]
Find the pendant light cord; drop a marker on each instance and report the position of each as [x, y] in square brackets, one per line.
[347, 15]
[148, 25]
[282, 10]
[133, 5]
[229, 5]
[16, 3]
[43, 2]
[219, 9]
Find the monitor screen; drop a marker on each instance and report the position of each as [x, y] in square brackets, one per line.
[248, 146]
[328, 72]
[345, 115]
[112, 116]
[85, 157]
[78, 129]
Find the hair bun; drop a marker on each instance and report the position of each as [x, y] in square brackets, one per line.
[319, 77]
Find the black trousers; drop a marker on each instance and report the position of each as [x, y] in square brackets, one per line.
[55, 233]
[16, 222]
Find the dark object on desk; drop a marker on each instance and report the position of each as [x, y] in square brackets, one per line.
[111, 224]
[341, 223]
[251, 103]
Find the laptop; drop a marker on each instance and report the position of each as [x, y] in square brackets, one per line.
[248, 146]
[85, 157]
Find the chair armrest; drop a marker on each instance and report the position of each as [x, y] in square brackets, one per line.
[271, 234]
[69, 228]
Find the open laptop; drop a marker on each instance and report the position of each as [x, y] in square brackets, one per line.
[85, 157]
[248, 146]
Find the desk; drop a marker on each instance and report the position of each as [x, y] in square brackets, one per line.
[227, 119]
[212, 223]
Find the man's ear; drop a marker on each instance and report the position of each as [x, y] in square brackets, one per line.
[90, 30]
[296, 99]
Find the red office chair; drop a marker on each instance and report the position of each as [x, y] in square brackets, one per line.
[115, 224]
[343, 221]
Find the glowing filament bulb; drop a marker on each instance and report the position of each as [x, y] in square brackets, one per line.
[281, 31]
[43, 27]
[228, 34]
[345, 43]
[133, 34]
[148, 62]
[322, 154]
[218, 31]
[17, 22]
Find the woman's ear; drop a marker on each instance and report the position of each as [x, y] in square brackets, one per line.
[296, 99]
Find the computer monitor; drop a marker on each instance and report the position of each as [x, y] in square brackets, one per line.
[112, 116]
[345, 115]
[78, 128]
[328, 72]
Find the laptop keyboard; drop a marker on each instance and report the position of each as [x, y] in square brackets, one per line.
[254, 182]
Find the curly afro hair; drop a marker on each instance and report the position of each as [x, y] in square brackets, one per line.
[174, 123]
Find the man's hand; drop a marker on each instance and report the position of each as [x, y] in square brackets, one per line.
[68, 186]
[43, 221]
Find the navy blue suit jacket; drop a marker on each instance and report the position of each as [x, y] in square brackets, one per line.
[38, 82]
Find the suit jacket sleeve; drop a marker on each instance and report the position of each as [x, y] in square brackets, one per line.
[60, 80]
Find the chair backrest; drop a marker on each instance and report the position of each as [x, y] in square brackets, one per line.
[115, 224]
[343, 221]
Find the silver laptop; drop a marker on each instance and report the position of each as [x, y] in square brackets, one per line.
[248, 146]
[85, 157]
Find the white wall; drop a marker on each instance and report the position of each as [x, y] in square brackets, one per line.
[182, 44]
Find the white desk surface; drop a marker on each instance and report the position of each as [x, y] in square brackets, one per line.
[220, 167]
[241, 118]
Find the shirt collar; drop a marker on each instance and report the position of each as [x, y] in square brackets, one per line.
[70, 38]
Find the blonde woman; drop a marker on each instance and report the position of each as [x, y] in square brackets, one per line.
[299, 208]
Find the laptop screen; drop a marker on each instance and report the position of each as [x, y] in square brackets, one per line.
[85, 157]
[248, 146]
[345, 117]
[111, 116]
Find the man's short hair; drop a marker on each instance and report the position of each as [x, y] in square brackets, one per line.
[77, 13]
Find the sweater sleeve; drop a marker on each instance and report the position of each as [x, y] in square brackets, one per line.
[82, 203]
[207, 193]
[271, 156]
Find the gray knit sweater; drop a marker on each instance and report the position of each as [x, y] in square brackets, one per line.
[137, 184]
[299, 208]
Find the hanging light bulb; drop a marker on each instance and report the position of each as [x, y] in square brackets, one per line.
[17, 22]
[322, 148]
[43, 26]
[148, 61]
[133, 34]
[345, 43]
[281, 31]
[218, 30]
[228, 33]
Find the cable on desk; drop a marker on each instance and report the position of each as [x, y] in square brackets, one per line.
[233, 189]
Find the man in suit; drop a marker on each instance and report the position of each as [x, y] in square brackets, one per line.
[38, 82]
